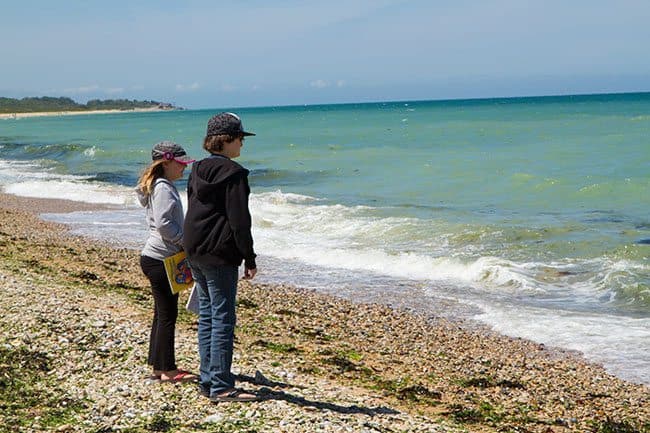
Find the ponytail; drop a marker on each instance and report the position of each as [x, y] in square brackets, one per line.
[154, 171]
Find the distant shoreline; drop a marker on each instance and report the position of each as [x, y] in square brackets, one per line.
[9, 116]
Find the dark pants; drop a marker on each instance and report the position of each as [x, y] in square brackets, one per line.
[161, 342]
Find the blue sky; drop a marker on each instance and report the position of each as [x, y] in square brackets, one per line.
[204, 54]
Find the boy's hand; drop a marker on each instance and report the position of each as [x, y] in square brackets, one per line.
[249, 274]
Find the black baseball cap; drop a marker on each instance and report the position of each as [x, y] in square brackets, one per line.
[226, 124]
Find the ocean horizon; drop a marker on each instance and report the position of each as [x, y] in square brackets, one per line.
[605, 96]
[527, 214]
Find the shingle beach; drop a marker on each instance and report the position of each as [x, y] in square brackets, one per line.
[74, 335]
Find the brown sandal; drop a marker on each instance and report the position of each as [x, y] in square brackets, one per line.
[234, 395]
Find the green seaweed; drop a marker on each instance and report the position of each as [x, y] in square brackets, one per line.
[28, 393]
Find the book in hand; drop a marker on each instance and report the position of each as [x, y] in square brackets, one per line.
[178, 272]
[192, 304]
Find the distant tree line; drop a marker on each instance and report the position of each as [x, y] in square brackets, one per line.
[48, 103]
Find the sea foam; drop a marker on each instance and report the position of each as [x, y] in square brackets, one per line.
[620, 343]
[76, 190]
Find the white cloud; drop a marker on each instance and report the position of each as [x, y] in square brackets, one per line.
[94, 88]
[82, 89]
[340, 83]
[188, 87]
[319, 84]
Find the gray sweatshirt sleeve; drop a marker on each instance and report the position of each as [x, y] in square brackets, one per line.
[167, 213]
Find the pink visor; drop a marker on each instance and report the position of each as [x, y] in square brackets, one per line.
[183, 159]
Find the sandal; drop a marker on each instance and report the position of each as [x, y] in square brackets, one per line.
[234, 395]
[181, 376]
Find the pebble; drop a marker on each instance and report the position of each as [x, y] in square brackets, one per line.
[215, 418]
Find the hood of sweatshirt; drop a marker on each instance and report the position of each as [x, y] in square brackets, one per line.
[142, 197]
[210, 173]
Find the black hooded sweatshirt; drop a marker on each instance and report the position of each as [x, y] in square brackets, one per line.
[217, 228]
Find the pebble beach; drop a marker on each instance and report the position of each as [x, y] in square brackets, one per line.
[74, 335]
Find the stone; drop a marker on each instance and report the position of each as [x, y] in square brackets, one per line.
[215, 418]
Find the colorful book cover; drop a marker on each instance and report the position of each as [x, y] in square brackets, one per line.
[178, 272]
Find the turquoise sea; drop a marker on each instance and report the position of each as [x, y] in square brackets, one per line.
[531, 215]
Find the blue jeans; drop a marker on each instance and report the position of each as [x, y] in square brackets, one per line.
[217, 290]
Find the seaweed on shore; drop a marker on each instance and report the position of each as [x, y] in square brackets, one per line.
[28, 394]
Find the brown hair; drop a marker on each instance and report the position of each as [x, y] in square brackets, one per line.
[214, 143]
[154, 171]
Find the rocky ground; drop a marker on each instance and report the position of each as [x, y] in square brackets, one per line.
[74, 336]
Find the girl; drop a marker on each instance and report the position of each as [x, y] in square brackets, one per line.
[164, 213]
